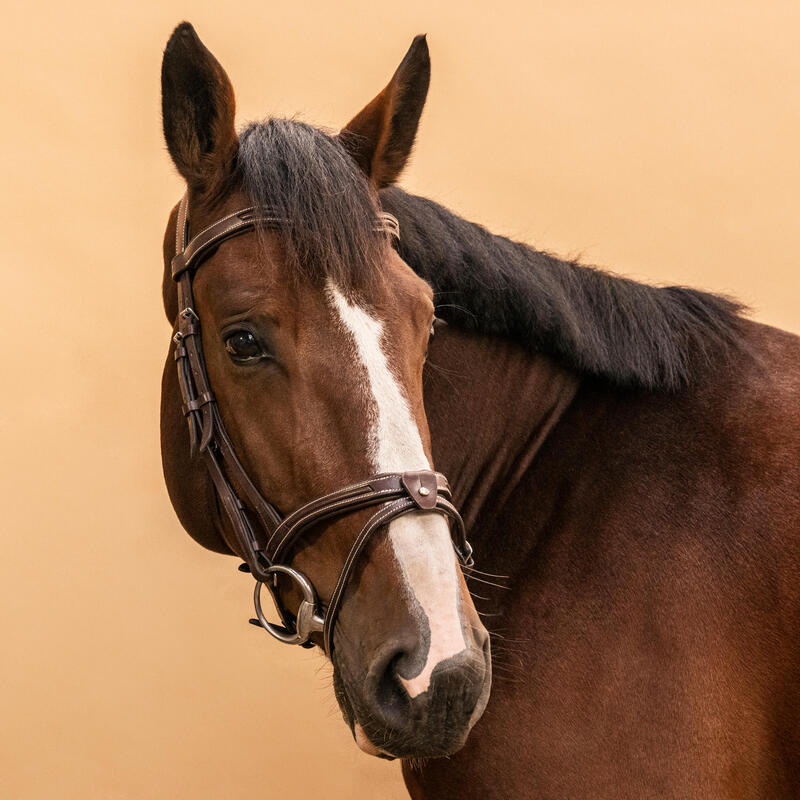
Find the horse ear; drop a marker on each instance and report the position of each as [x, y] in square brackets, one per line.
[198, 108]
[380, 137]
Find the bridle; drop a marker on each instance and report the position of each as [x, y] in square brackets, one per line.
[263, 537]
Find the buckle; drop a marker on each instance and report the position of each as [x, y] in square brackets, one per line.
[465, 554]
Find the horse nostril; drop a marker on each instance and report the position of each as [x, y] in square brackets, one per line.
[483, 641]
[391, 686]
[389, 695]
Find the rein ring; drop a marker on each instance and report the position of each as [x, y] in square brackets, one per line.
[308, 621]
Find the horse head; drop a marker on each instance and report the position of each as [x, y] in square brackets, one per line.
[314, 336]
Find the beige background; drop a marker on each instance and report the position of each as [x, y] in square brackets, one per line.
[658, 139]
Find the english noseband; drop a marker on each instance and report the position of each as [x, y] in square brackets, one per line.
[264, 538]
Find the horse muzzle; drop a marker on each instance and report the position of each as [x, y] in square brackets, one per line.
[391, 720]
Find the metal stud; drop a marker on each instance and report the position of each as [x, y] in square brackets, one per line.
[424, 491]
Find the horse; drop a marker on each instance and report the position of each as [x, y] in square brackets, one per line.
[622, 459]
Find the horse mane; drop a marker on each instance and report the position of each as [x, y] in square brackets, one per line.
[627, 333]
[624, 332]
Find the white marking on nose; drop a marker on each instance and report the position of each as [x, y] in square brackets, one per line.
[421, 542]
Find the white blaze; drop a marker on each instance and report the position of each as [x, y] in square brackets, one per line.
[421, 541]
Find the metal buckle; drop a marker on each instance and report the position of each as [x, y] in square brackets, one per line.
[308, 620]
[466, 555]
[189, 313]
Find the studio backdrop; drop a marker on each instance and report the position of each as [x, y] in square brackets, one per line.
[660, 141]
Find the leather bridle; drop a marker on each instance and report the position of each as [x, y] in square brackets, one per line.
[263, 537]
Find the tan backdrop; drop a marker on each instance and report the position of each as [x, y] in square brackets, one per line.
[660, 140]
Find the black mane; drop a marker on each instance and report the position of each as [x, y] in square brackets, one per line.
[624, 332]
[627, 333]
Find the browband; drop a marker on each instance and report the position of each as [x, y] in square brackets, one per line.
[190, 256]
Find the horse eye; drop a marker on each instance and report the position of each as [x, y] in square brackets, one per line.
[242, 346]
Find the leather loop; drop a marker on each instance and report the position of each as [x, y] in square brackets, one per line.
[195, 405]
[421, 487]
[178, 264]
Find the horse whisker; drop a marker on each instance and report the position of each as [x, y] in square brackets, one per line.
[488, 583]
[487, 574]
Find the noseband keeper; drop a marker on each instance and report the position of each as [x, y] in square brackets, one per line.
[264, 538]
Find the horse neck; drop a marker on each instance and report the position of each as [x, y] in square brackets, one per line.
[490, 405]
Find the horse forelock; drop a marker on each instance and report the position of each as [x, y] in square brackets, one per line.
[326, 215]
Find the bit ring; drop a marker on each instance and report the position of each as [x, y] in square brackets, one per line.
[308, 620]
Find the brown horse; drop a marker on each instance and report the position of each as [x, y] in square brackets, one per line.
[626, 459]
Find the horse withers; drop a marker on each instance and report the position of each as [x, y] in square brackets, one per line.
[625, 460]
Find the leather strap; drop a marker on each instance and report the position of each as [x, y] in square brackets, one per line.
[377, 489]
[234, 224]
[189, 255]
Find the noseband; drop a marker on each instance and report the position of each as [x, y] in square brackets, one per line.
[263, 537]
